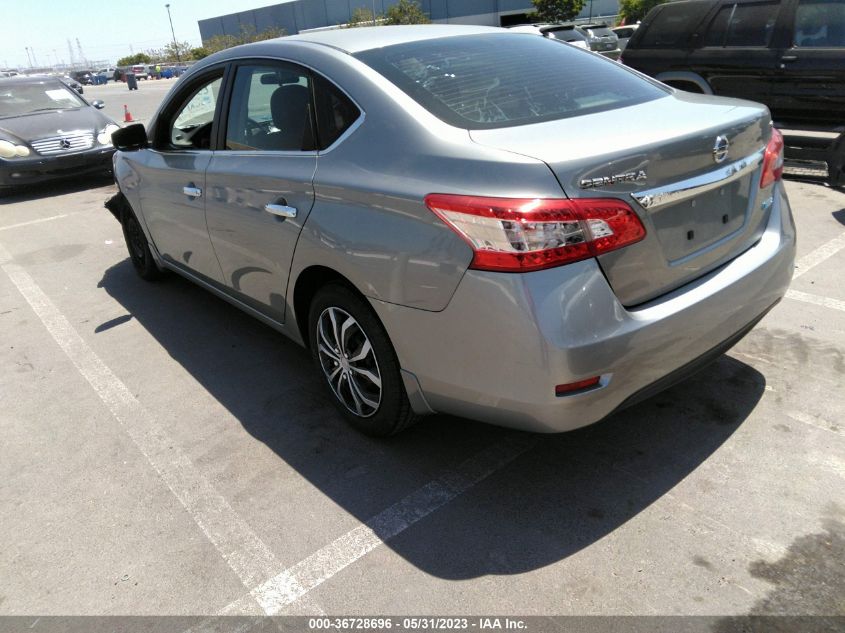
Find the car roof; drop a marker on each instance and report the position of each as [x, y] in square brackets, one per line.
[369, 37]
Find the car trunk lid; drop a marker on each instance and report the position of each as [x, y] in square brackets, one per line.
[699, 212]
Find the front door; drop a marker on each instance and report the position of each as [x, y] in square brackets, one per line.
[259, 184]
[172, 178]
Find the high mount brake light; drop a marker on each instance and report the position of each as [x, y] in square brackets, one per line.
[522, 234]
[772, 160]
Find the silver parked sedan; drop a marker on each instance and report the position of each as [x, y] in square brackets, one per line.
[464, 219]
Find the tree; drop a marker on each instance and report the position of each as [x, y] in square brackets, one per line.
[199, 52]
[557, 10]
[246, 35]
[633, 11]
[405, 12]
[137, 58]
[362, 16]
[177, 50]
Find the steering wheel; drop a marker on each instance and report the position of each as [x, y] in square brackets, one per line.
[253, 127]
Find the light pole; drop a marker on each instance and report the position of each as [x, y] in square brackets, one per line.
[374, 12]
[173, 33]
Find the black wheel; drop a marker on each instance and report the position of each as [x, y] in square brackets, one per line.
[356, 359]
[139, 249]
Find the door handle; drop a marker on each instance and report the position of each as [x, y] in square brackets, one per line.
[789, 58]
[192, 192]
[281, 210]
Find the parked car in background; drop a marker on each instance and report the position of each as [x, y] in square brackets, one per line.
[8, 73]
[601, 39]
[449, 218]
[48, 131]
[84, 77]
[140, 71]
[789, 55]
[108, 72]
[564, 32]
[624, 33]
[70, 81]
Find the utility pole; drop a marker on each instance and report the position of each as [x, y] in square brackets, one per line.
[28, 58]
[374, 12]
[173, 33]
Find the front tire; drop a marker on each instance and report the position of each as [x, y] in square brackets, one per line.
[354, 356]
[139, 248]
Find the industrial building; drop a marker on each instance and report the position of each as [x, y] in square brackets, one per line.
[296, 16]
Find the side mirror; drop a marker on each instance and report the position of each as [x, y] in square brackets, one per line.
[98, 104]
[130, 138]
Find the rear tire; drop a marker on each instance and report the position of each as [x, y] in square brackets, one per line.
[356, 360]
[139, 248]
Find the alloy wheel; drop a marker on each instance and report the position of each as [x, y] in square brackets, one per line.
[349, 362]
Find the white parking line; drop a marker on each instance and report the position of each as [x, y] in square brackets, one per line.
[284, 589]
[38, 221]
[806, 297]
[816, 257]
[240, 547]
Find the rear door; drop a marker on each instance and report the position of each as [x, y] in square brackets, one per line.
[260, 183]
[809, 86]
[735, 53]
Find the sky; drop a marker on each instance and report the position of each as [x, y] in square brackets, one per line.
[106, 28]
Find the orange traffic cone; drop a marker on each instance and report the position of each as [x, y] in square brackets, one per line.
[127, 115]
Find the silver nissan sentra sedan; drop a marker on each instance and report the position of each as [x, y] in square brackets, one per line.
[462, 219]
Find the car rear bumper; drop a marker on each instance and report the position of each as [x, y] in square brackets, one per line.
[505, 341]
[43, 168]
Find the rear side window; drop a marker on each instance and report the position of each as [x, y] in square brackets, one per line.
[738, 25]
[670, 25]
[335, 112]
[501, 80]
[820, 24]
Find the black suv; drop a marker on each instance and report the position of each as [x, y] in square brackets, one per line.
[788, 54]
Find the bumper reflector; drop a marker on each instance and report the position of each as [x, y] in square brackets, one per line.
[581, 385]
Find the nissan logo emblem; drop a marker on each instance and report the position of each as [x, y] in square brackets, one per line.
[65, 143]
[720, 149]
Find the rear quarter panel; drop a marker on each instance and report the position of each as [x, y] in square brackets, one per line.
[369, 222]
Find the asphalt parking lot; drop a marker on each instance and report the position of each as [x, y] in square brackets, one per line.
[141, 103]
[164, 453]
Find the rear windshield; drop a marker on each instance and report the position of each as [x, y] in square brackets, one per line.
[567, 35]
[501, 80]
[600, 31]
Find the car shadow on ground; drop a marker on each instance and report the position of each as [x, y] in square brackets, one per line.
[26, 193]
[565, 494]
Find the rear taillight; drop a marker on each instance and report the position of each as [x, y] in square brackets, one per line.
[773, 160]
[519, 234]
